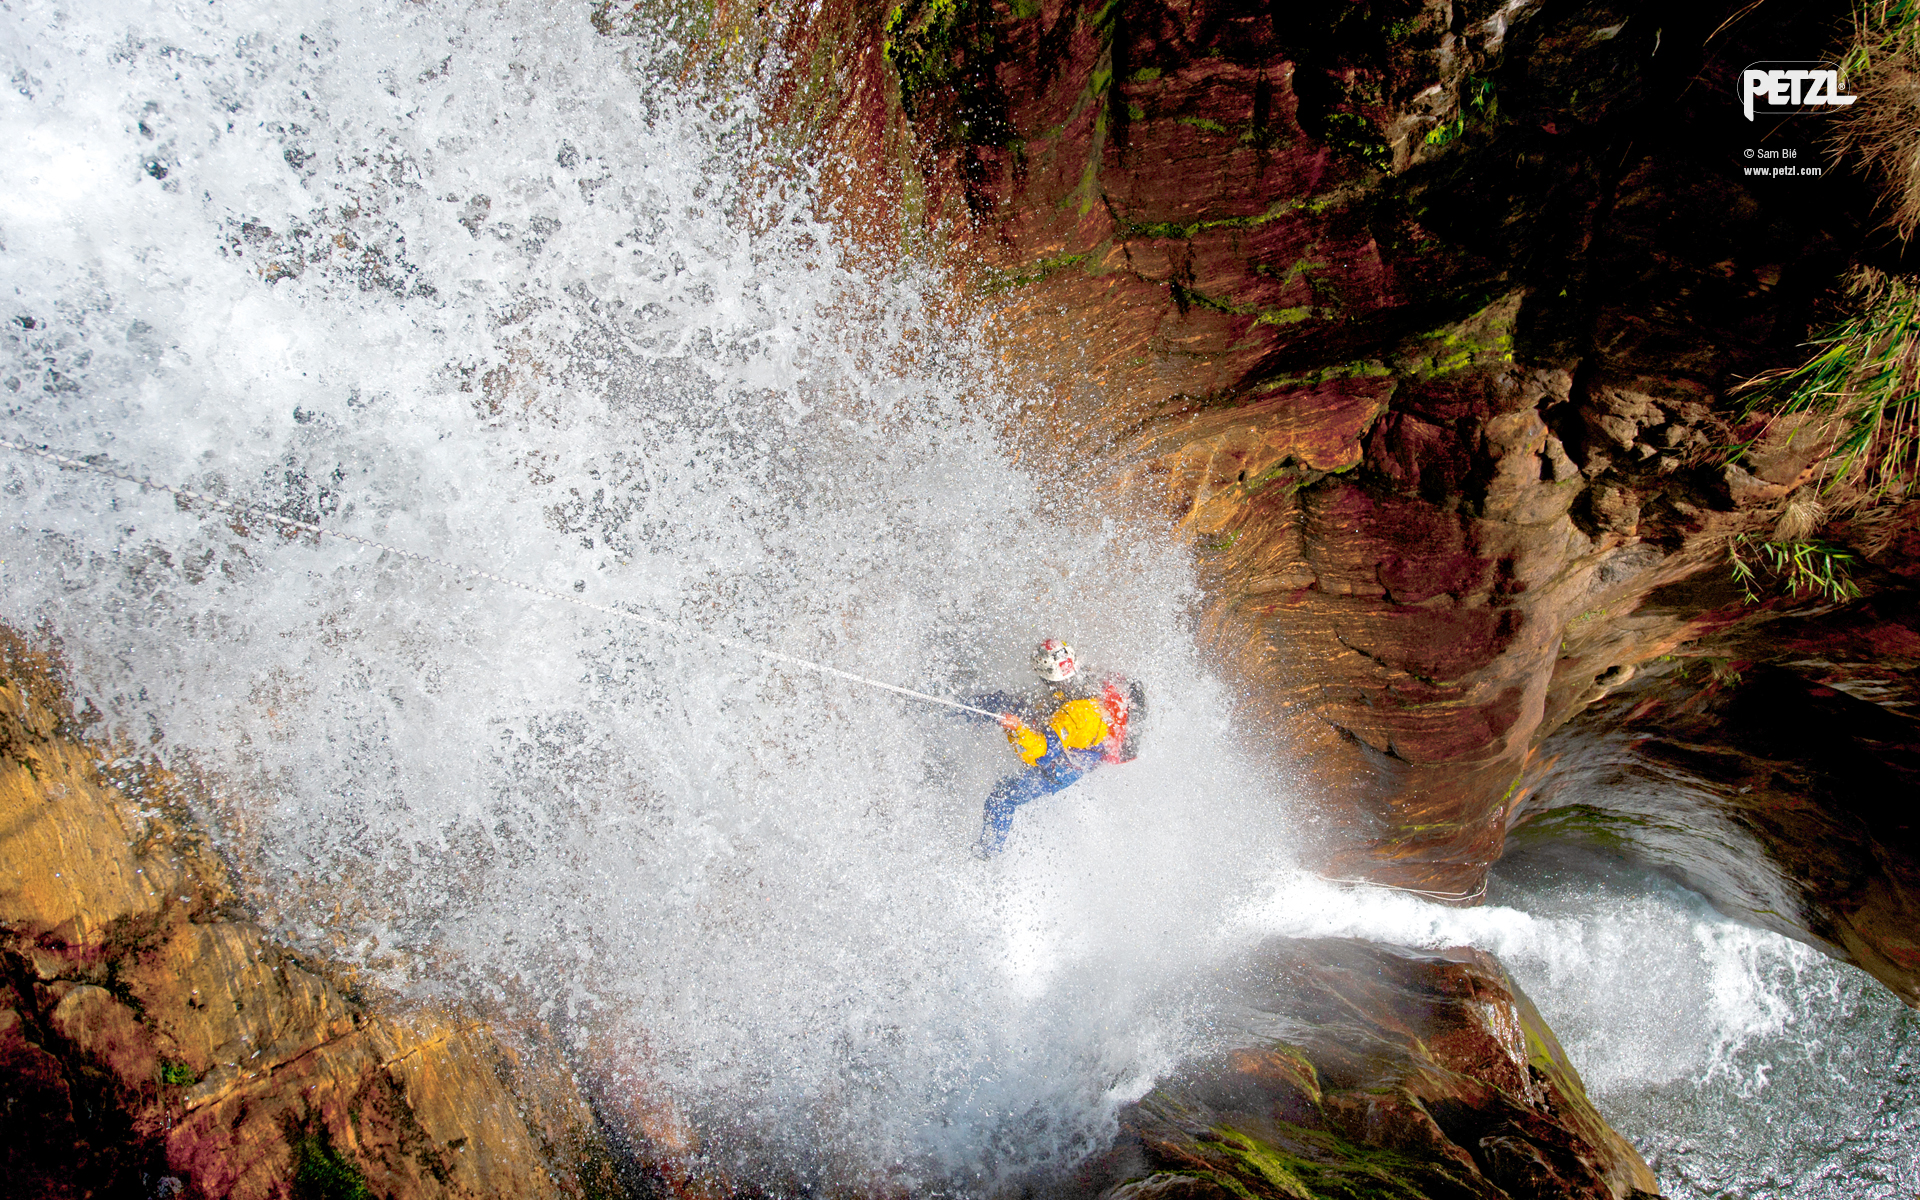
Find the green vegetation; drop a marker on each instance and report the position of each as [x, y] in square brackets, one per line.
[1355, 136]
[1476, 101]
[1881, 130]
[1206, 123]
[1617, 832]
[177, 1074]
[1865, 371]
[1186, 296]
[1001, 281]
[1173, 229]
[1485, 337]
[1861, 389]
[941, 52]
[1338, 1168]
[1261, 1160]
[1358, 369]
[1801, 568]
[919, 41]
[322, 1173]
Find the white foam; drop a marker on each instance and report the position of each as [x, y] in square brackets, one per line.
[1645, 988]
[1740, 1063]
[644, 370]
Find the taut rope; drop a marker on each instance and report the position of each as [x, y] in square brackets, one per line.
[255, 511]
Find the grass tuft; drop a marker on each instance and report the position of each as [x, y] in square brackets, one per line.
[1802, 517]
[1881, 129]
[1799, 568]
[1865, 372]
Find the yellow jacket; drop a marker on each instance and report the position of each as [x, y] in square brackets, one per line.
[1077, 724]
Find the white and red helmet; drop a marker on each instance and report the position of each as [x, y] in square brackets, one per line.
[1054, 661]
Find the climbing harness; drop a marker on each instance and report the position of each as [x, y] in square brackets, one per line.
[255, 511]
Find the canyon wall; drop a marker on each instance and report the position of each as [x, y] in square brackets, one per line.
[1424, 322]
[156, 1042]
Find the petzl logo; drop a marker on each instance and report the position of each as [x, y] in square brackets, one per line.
[1784, 88]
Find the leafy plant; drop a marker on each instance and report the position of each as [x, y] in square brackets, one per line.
[1865, 371]
[177, 1074]
[1354, 135]
[1801, 568]
[1881, 129]
[1476, 100]
[323, 1173]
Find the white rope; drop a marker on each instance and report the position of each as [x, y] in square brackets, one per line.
[1450, 897]
[251, 510]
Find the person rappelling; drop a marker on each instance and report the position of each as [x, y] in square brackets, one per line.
[1076, 726]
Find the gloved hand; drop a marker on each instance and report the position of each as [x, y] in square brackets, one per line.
[1009, 722]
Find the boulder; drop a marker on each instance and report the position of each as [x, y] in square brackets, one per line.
[1345, 1068]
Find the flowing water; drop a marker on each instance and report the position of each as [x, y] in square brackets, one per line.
[1743, 1065]
[1739, 1062]
[483, 283]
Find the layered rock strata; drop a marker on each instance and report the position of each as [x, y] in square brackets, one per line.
[155, 1042]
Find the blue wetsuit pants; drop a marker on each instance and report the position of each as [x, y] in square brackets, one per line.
[1031, 784]
[1044, 778]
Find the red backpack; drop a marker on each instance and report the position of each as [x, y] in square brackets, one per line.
[1124, 711]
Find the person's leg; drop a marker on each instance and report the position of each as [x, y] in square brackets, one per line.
[1009, 794]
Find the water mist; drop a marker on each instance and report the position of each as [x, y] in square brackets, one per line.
[481, 283]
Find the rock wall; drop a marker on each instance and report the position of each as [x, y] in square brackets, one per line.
[1421, 319]
[155, 1042]
[1768, 763]
[1362, 1070]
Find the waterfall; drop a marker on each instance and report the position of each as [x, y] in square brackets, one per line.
[487, 284]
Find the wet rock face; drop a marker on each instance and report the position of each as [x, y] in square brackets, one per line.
[1357, 1069]
[155, 1042]
[1770, 765]
[1420, 318]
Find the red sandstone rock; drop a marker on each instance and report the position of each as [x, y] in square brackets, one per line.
[1354, 1069]
[146, 1030]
